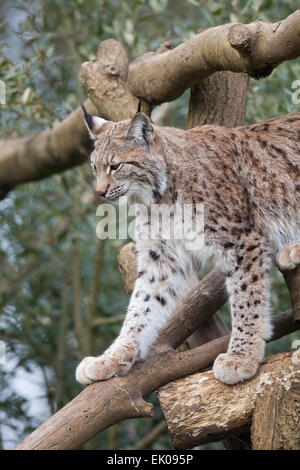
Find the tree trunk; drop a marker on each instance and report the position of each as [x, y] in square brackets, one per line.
[220, 99]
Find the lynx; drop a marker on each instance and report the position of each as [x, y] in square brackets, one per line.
[247, 178]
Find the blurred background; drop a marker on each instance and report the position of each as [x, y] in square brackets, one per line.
[61, 293]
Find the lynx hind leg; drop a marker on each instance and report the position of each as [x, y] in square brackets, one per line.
[289, 257]
[248, 287]
[232, 368]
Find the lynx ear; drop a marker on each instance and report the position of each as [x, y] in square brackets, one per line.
[140, 128]
[93, 123]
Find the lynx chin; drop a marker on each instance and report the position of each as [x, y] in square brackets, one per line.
[247, 179]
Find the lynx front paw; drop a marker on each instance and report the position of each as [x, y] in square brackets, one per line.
[93, 369]
[232, 368]
[289, 257]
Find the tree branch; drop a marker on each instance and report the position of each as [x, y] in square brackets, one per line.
[105, 79]
[256, 49]
[51, 151]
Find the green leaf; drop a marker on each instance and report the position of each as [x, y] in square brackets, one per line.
[197, 3]
[158, 5]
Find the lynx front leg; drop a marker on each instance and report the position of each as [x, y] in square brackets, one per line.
[248, 287]
[162, 275]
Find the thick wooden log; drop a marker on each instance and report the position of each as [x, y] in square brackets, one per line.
[200, 409]
[67, 143]
[276, 417]
[213, 328]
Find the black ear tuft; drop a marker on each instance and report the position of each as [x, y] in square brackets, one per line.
[93, 123]
[88, 118]
[139, 106]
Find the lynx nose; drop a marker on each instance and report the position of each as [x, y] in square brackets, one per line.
[102, 190]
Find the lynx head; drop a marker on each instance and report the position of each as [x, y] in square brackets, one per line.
[126, 159]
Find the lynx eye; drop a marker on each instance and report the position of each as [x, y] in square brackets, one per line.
[116, 167]
[94, 167]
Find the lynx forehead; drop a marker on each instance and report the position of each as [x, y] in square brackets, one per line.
[248, 179]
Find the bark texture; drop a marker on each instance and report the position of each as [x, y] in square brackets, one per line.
[105, 78]
[67, 143]
[102, 404]
[199, 409]
[276, 418]
[220, 99]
